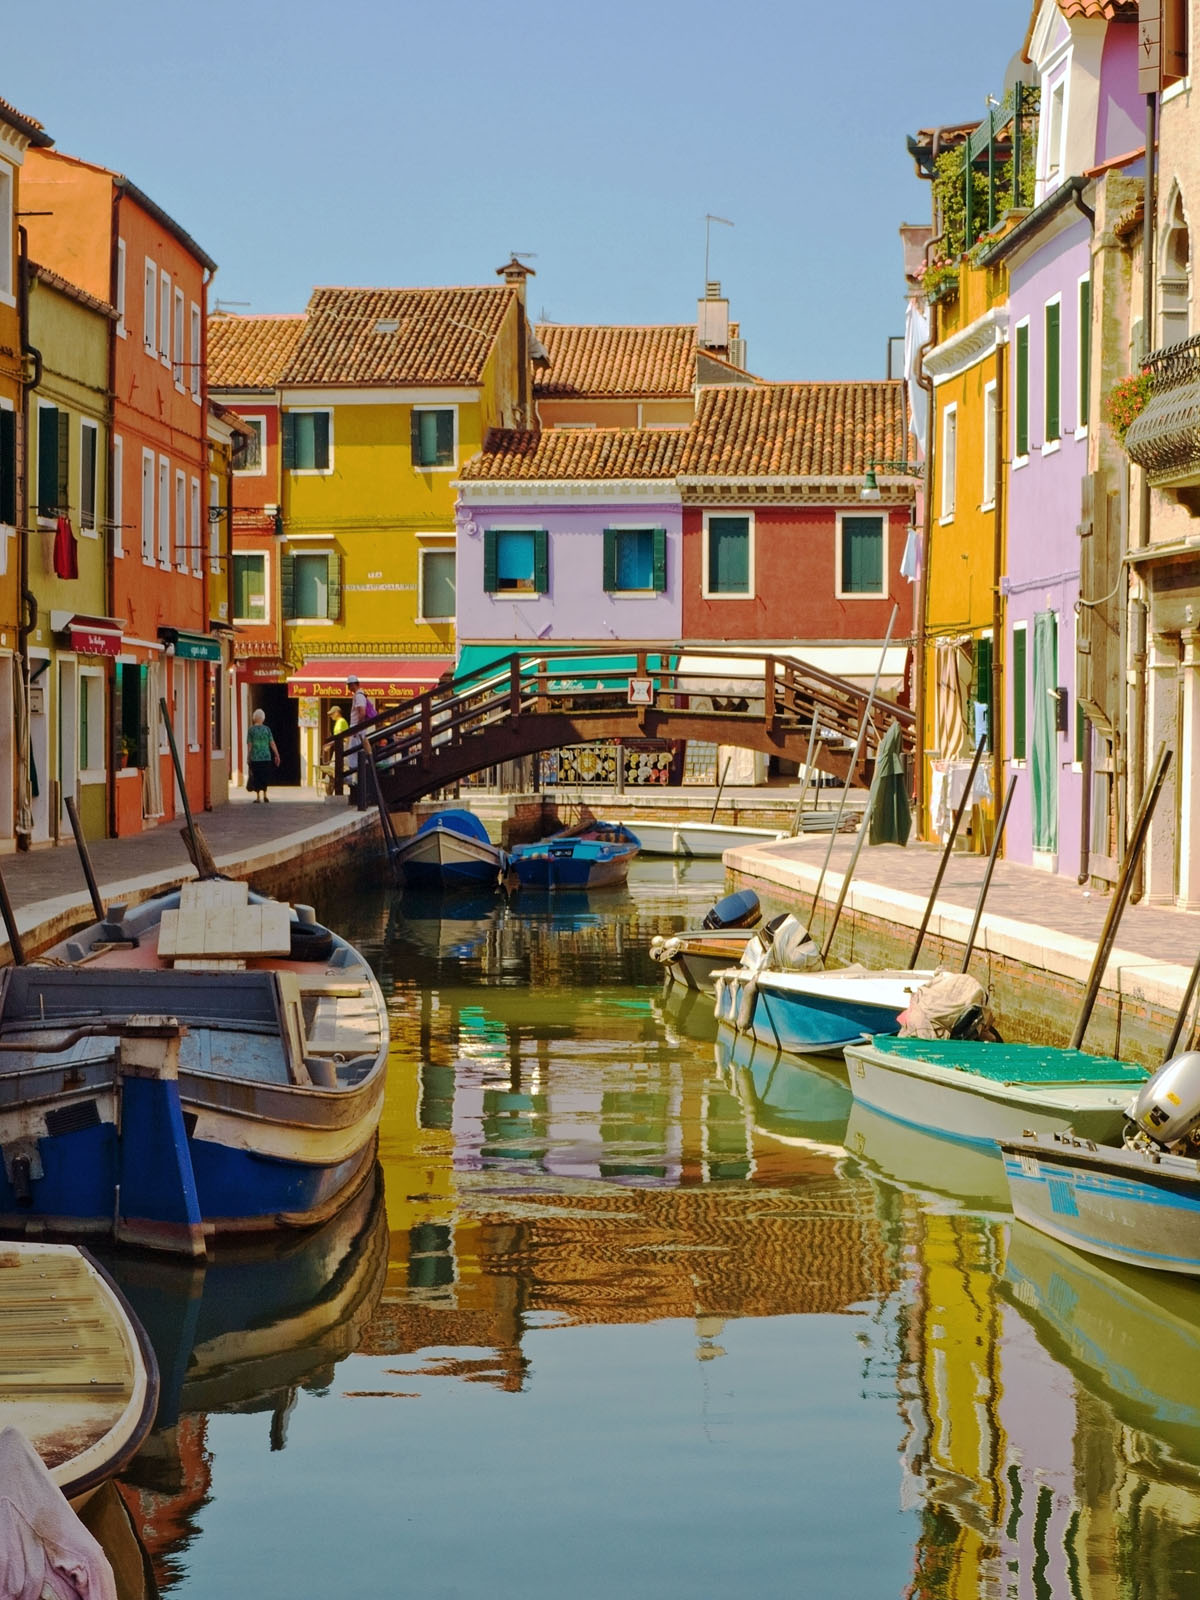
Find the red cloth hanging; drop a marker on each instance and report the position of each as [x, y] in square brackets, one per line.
[66, 554]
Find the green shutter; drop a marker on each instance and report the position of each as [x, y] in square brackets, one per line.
[1019, 693]
[1085, 352]
[1053, 426]
[8, 468]
[320, 426]
[1022, 388]
[47, 466]
[335, 587]
[862, 555]
[660, 560]
[490, 584]
[541, 561]
[610, 559]
[1080, 731]
[63, 486]
[417, 457]
[287, 584]
[289, 442]
[445, 438]
[981, 685]
[143, 716]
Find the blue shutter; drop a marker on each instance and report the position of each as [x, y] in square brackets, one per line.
[610, 559]
[541, 561]
[660, 560]
[490, 584]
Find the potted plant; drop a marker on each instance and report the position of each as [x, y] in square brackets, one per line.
[1126, 401]
[128, 750]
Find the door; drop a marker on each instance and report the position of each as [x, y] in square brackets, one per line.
[68, 741]
[1044, 753]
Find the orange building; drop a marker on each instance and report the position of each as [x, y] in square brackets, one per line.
[99, 230]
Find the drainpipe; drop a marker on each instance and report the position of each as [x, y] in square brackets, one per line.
[110, 576]
[205, 734]
[1136, 761]
[922, 598]
[26, 600]
[997, 598]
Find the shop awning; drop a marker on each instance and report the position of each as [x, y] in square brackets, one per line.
[857, 662]
[191, 646]
[382, 679]
[572, 669]
[91, 636]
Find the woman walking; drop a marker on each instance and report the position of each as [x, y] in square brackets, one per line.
[261, 755]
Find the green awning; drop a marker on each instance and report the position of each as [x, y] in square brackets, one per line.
[571, 668]
[191, 646]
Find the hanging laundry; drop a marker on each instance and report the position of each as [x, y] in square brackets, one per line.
[66, 553]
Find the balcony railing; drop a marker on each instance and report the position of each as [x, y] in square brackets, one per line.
[1165, 438]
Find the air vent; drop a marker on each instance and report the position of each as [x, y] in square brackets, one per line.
[72, 1119]
[387, 325]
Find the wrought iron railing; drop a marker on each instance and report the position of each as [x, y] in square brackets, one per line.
[1164, 438]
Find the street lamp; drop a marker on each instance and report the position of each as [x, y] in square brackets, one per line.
[871, 492]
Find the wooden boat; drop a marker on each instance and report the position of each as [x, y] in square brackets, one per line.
[814, 1013]
[707, 840]
[988, 1093]
[692, 958]
[207, 1063]
[592, 855]
[449, 851]
[78, 1378]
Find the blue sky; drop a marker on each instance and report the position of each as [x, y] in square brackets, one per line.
[365, 142]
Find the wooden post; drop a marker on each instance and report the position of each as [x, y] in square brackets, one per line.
[514, 686]
[987, 876]
[959, 812]
[769, 690]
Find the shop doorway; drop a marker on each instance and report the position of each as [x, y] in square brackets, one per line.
[283, 719]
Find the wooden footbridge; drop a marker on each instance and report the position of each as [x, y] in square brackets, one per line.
[519, 706]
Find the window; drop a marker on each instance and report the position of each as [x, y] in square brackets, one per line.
[1021, 390]
[981, 690]
[88, 436]
[216, 709]
[120, 293]
[118, 495]
[433, 438]
[131, 712]
[195, 526]
[1053, 430]
[635, 559]
[437, 585]
[250, 457]
[8, 465]
[191, 686]
[728, 557]
[310, 586]
[150, 307]
[988, 485]
[195, 351]
[148, 507]
[949, 461]
[164, 318]
[179, 337]
[1174, 277]
[214, 525]
[1055, 126]
[91, 721]
[1020, 690]
[306, 441]
[8, 233]
[164, 511]
[516, 561]
[181, 528]
[1083, 398]
[861, 555]
[250, 588]
[54, 456]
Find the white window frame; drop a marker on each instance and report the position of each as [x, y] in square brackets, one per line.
[1082, 337]
[718, 594]
[948, 475]
[177, 366]
[194, 507]
[196, 348]
[118, 496]
[149, 519]
[181, 526]
[453, 466]
[260, 471]
[842, 593]
[990, 443]
[150, 308]
[8, 234]
[438, 545]
[120, 289]
[214, 525]
[326, 471]
[86, 426]
[164, 319]
[265, 557]
[1054, 98]
[1052, 446]
[164, 514]
[90, 770]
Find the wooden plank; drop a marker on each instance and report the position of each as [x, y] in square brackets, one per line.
[213, 892]
[212, 964]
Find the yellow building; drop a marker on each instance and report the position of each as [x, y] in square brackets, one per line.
[387, 392]
[226, 433]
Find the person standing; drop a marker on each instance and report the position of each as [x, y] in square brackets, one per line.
[362, 709]
[261, 755]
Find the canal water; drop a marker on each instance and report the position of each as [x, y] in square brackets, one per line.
[632, 1313]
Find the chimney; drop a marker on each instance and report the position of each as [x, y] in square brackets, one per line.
[514, 273]
[712, 319]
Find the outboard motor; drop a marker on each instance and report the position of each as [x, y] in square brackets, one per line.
[1166, 1111]
[740, 910]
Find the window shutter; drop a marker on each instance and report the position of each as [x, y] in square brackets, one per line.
[416, 439]
[1019, 694]
[116, 722]
[8, 468]
[541, 561]
[489, 561]
[47, 462]
[321, 440]
[445, 438]
[981, 688]
[335, 587]
[1053, 428]
[63, 488]
[1022, 387]
[289, 442]
[610, 559]
[1085, 351]
[660, 560]
[143, 716]
[287, 584]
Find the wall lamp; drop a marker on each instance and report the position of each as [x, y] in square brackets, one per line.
[871, 492]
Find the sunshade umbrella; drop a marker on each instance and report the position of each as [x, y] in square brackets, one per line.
[891, 820]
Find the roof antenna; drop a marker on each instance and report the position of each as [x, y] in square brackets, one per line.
[709, 219]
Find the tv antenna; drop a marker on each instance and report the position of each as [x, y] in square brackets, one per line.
[223, 305]
[709, 219]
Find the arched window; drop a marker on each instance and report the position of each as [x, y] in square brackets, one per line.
[1174, 276]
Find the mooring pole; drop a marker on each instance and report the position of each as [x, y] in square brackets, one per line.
[987, 876]
[85, 857]
[959, 812]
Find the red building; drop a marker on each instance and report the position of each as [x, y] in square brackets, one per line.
[104, 234]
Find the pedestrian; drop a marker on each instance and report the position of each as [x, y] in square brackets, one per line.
[338, 720]
[362, 709]
[261, 754]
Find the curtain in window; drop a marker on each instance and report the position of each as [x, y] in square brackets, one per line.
[311, 578]
[514, 560]
[438, 580]
[635, 558]
[954, 665]
[1044, 759]
[729, 555]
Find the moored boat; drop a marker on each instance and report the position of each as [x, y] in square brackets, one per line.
[693, 957]
[593, 855]
[706, 840]
[450, 850]
[209, 1062]
[818, 1012]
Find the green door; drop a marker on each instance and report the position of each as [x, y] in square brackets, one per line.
[1044, 752]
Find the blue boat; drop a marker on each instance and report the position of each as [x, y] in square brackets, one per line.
[814, 1013]
[209, 1063]
[449, 851]
[593, 855]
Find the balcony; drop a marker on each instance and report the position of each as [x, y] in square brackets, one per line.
[1165, 438]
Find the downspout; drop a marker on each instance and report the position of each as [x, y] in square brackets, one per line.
[1085, 789]
[997, 596]
[205, 736]
[110, 576]
[27, 601]
[1136, 762]
[922, 605]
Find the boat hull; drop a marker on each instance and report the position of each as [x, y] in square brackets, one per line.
[700, 956]
[815, 1017]
[1121, 1205]
[573, 868]
[441, 858]
[704, 840]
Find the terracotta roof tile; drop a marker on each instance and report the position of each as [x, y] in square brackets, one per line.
[1111, 10]
[250, 352]
[604, 362]
[441, 336]
[29, 126]
[795, 430]
[55, 280]
[616, 453]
